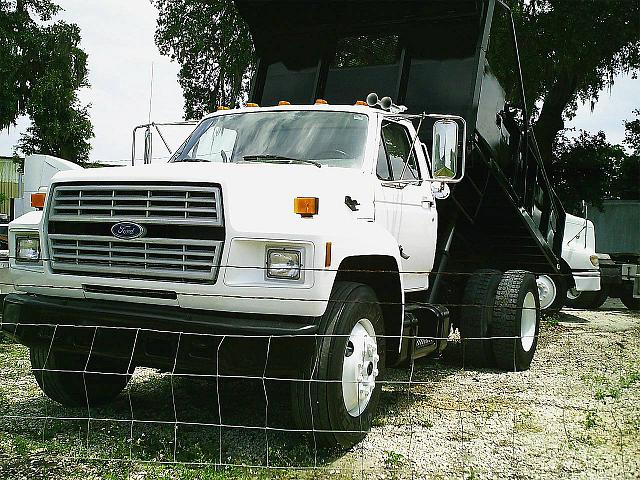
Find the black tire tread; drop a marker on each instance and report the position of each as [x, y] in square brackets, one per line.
[478, 299]
[68, 388]
[317, 416]
[505, 314]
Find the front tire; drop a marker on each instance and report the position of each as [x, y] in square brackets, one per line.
[61, 377]
[338, 394]
[516, 321]
[586, 300]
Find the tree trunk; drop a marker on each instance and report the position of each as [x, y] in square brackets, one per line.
[550, 121]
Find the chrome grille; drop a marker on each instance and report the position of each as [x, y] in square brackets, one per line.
[183, 221]
[155, 204]
[154, 258]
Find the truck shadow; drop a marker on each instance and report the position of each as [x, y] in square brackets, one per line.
[196, 421]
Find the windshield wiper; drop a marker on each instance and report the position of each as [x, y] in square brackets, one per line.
[187, 159]
[278, 159]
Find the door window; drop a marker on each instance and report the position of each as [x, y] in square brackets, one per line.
[401, 157]
[382, 168]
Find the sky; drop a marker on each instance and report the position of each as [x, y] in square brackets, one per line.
[118, 37]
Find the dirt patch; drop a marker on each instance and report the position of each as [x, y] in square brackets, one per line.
[574, 414]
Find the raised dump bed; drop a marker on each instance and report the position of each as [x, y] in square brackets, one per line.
[453, 57]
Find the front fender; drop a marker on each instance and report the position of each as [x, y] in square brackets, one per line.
[365, 238]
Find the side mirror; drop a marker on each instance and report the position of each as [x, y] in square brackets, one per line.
[444, 158]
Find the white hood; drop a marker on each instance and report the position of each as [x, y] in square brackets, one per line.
[252, 193]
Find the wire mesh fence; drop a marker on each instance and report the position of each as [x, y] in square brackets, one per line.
[136, 401]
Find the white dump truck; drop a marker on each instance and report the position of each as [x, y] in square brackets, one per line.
[316, 243]
[580, 258]
[617, 225]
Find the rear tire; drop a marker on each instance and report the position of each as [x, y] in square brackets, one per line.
[626, 296]
[338, 409]
[61, 377]
[552, 293]
[586, 300]
[476, 317]
[516, 321]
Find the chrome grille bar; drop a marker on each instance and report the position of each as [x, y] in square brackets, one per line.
[152, 204]
[157, 258]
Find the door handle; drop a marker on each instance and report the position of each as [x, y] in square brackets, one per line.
[427, 202]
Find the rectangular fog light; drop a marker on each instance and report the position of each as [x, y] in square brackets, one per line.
[284, 264]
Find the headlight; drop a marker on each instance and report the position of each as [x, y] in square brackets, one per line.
[28, 249]
[283, 263]
[594, 260]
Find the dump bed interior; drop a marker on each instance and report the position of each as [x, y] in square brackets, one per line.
[435, 56]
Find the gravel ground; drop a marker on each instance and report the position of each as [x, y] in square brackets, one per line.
[574, 414]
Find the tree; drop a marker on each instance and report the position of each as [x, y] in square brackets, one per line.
[632, 133]
[41, 69]
[590, 168]
[630, 170]
[586, 169]
[570, 51]
[213, 46]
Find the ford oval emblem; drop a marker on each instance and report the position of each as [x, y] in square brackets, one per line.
[128, 230]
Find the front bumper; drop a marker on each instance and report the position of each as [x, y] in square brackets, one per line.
[162, 337]
[587, 280]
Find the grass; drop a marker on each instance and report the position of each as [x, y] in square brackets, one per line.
[446, 395]
[121, 446]
[613, 386]
[591, 420]
[526, 422]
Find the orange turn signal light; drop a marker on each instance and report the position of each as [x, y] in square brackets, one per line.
[321, 101]
[222, 107]
[37, 200]
[252, 105]
[305, 206]
[327, 255]
[361, 103]
[283, 102]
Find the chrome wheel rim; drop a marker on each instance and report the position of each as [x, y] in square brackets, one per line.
[573, 294]
[546, 291]
[528, 322]
[359, 367]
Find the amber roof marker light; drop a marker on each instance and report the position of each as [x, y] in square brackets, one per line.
[321, 101]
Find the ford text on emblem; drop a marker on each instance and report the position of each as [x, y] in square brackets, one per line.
[127, 230]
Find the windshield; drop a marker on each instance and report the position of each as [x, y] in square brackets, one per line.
[334, 139]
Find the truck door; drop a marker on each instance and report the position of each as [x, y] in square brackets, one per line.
[405, 205]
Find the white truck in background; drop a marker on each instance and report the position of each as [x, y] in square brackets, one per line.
[617, 225]
[579, 254]
[38, 172]
[34, 183]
